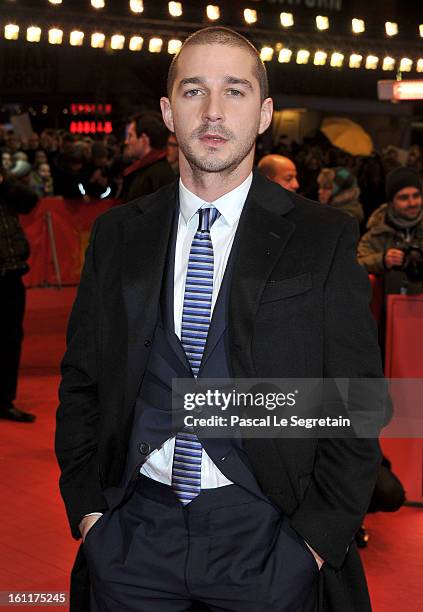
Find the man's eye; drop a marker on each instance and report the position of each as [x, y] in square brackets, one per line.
[192, 92]
[235, 92]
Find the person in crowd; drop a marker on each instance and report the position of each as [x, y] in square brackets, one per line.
[415, 159]
[32, 147]
[310, 169]
[49, 143]
[170, 517]
[281, 170]
[6, 160]
[338, 188]
[173, 153]
[371, 181]
[13, 142]
[100, 184]
[146, 141]
[15, 199]
[42, 180]
[70, 175]
[393, 245]
[40, 157]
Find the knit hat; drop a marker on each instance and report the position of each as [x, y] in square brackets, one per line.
[337, 179]
[398, 179]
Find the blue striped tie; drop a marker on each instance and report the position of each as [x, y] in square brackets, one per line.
[196, 315]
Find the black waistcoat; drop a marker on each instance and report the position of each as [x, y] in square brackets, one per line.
[152, 424]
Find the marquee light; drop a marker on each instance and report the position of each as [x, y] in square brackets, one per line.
[136, 42]
[372, 62]
[213, 12]
[337, 59]
[322, 23]
[11, 31]
[358, 26]
[55, 36]
[76, 38]
[419, 66]
[266, 54]
[391, 28]
[175, 9]
[303, 56]
[406, 64]
[97, 40]
[33, 34]
[320, 58]
[355, 60]
[173, 46]
[250, 16]
[117, 42]
[98, 4]
[287, 20]
[55, 1]
[388, 63]
[155, 45]
[421, 29]
[284, 56]
[136, 6]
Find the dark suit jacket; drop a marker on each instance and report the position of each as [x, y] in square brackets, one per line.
[298, 308]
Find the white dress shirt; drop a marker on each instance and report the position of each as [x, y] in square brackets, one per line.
[158, 465]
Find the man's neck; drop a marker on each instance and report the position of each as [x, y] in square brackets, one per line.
[209, 186]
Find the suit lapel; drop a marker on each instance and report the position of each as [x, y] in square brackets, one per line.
[146, 239]
[262, 235]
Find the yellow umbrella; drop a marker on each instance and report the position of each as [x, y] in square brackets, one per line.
[347, 135]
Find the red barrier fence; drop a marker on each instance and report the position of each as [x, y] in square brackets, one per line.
[58, 232]
[404, 359]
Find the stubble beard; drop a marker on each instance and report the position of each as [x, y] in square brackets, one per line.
[211, 163]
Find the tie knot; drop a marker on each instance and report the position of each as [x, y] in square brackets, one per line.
[207, 216]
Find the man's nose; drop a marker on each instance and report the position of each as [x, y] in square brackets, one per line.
[213, 108]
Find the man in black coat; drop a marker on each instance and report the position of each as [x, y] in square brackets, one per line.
[272, 523]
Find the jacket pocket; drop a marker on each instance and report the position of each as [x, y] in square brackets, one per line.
[287, 287]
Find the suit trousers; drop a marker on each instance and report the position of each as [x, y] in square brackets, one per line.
[227, 549]
[12, 310]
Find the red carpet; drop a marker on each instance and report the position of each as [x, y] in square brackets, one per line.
[36, 547]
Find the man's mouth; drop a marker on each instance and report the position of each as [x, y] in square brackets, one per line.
[212, 139]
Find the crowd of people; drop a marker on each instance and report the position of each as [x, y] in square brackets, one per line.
[383, 194]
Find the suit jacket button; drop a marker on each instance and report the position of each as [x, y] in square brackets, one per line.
[144, 448]
[147, 343]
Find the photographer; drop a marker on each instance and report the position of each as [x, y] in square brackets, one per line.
[393, 245]
[15, 198]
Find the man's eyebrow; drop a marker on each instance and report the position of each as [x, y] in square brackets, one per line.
[229, 80]
[191, 81]
[232, 80]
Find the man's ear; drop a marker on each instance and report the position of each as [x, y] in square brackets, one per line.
[167, 113]
[266, 114]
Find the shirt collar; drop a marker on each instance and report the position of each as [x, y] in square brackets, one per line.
[229, 205]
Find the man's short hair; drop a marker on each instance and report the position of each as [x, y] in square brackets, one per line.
[219, 35]
[151, 124]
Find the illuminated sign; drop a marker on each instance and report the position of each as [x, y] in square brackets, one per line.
[90, 118]
[400, 90]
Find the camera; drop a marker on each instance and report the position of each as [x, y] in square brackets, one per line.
[413, 262]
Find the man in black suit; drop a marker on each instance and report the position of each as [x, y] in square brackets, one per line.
[170, 518]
